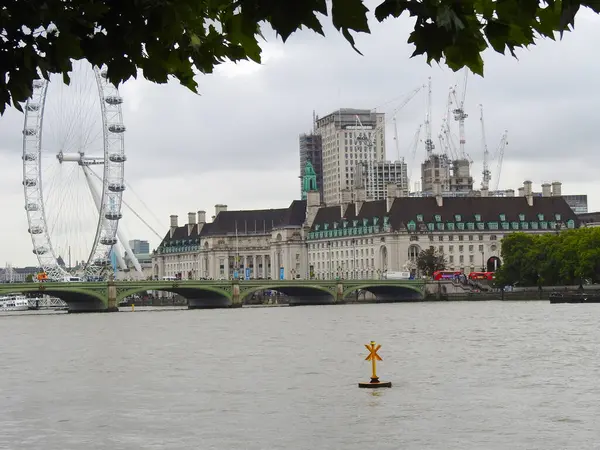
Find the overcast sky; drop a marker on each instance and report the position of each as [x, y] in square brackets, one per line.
[237, 143]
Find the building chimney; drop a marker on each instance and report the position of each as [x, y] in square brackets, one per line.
[521, 192]
[485, 192]
[220, 208]
[556, 189]
[527, 187]
[390, 195]
[313, 203]
[509, 192]
[191, 222]
[546, 190]
[346, 200]
[360, 196]
[437, 191]
[174, 225]
[201, 217]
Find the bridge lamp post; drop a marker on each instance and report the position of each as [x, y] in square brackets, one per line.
[354, 268]
[329, 268]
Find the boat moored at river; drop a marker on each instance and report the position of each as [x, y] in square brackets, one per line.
[14, 303]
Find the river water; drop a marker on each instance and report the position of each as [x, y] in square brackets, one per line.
[485, 375]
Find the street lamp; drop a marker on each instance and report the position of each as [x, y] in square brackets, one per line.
[354, 268]
[329, 268]
[482, 263]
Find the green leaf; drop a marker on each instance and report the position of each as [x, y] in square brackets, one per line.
[349, 15]
[393, 8]
[497, 34]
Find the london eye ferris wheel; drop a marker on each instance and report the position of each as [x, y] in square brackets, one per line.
[73, 171]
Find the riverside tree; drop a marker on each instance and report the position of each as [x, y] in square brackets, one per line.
[551, 259]
[430, 260]
[179, 38]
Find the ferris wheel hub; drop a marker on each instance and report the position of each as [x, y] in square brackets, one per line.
[80, 158]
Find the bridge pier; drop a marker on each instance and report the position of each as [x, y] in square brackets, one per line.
[112, 305]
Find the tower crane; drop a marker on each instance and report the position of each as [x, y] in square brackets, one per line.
[429, 146]
[408, 98]
[413, 151]
[445, 135]
[500, 157]
[485, 181]
[460, 115]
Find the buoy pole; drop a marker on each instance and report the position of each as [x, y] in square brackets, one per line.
[374, 377]
[373, 348]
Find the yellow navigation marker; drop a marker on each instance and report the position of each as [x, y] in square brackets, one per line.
[374, 357]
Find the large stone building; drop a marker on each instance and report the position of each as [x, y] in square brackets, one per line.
[355, 239]
[366, 239]
[264, 243]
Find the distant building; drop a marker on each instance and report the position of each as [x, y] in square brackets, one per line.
[461, 179]
[312, 150]
[139, 247]
[578, 203]
[591, 219]
[348, 136]
[435, 169]
[17, 274]
[384, 174]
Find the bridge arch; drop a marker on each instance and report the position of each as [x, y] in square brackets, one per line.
[197, 297]
[77, 297]
[299, 294]
[388, 292]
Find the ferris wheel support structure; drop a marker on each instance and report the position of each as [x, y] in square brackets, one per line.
[98, 202]
[112, 160]
[121, 238]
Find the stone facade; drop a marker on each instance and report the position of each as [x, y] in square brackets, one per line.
[358, 240]
[236, 244]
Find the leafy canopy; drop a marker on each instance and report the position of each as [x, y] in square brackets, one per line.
[179, 38]
[430, 260]
[565, 258]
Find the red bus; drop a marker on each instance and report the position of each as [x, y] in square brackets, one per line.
[481, 276]
[445, 275]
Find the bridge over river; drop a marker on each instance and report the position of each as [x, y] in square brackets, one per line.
[106, 296]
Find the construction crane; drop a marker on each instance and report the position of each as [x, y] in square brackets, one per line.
[445, 135]
[485, 181]
[413, 152]
[429, 146]
[460, 115]
[499, 156]
[407, 99]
